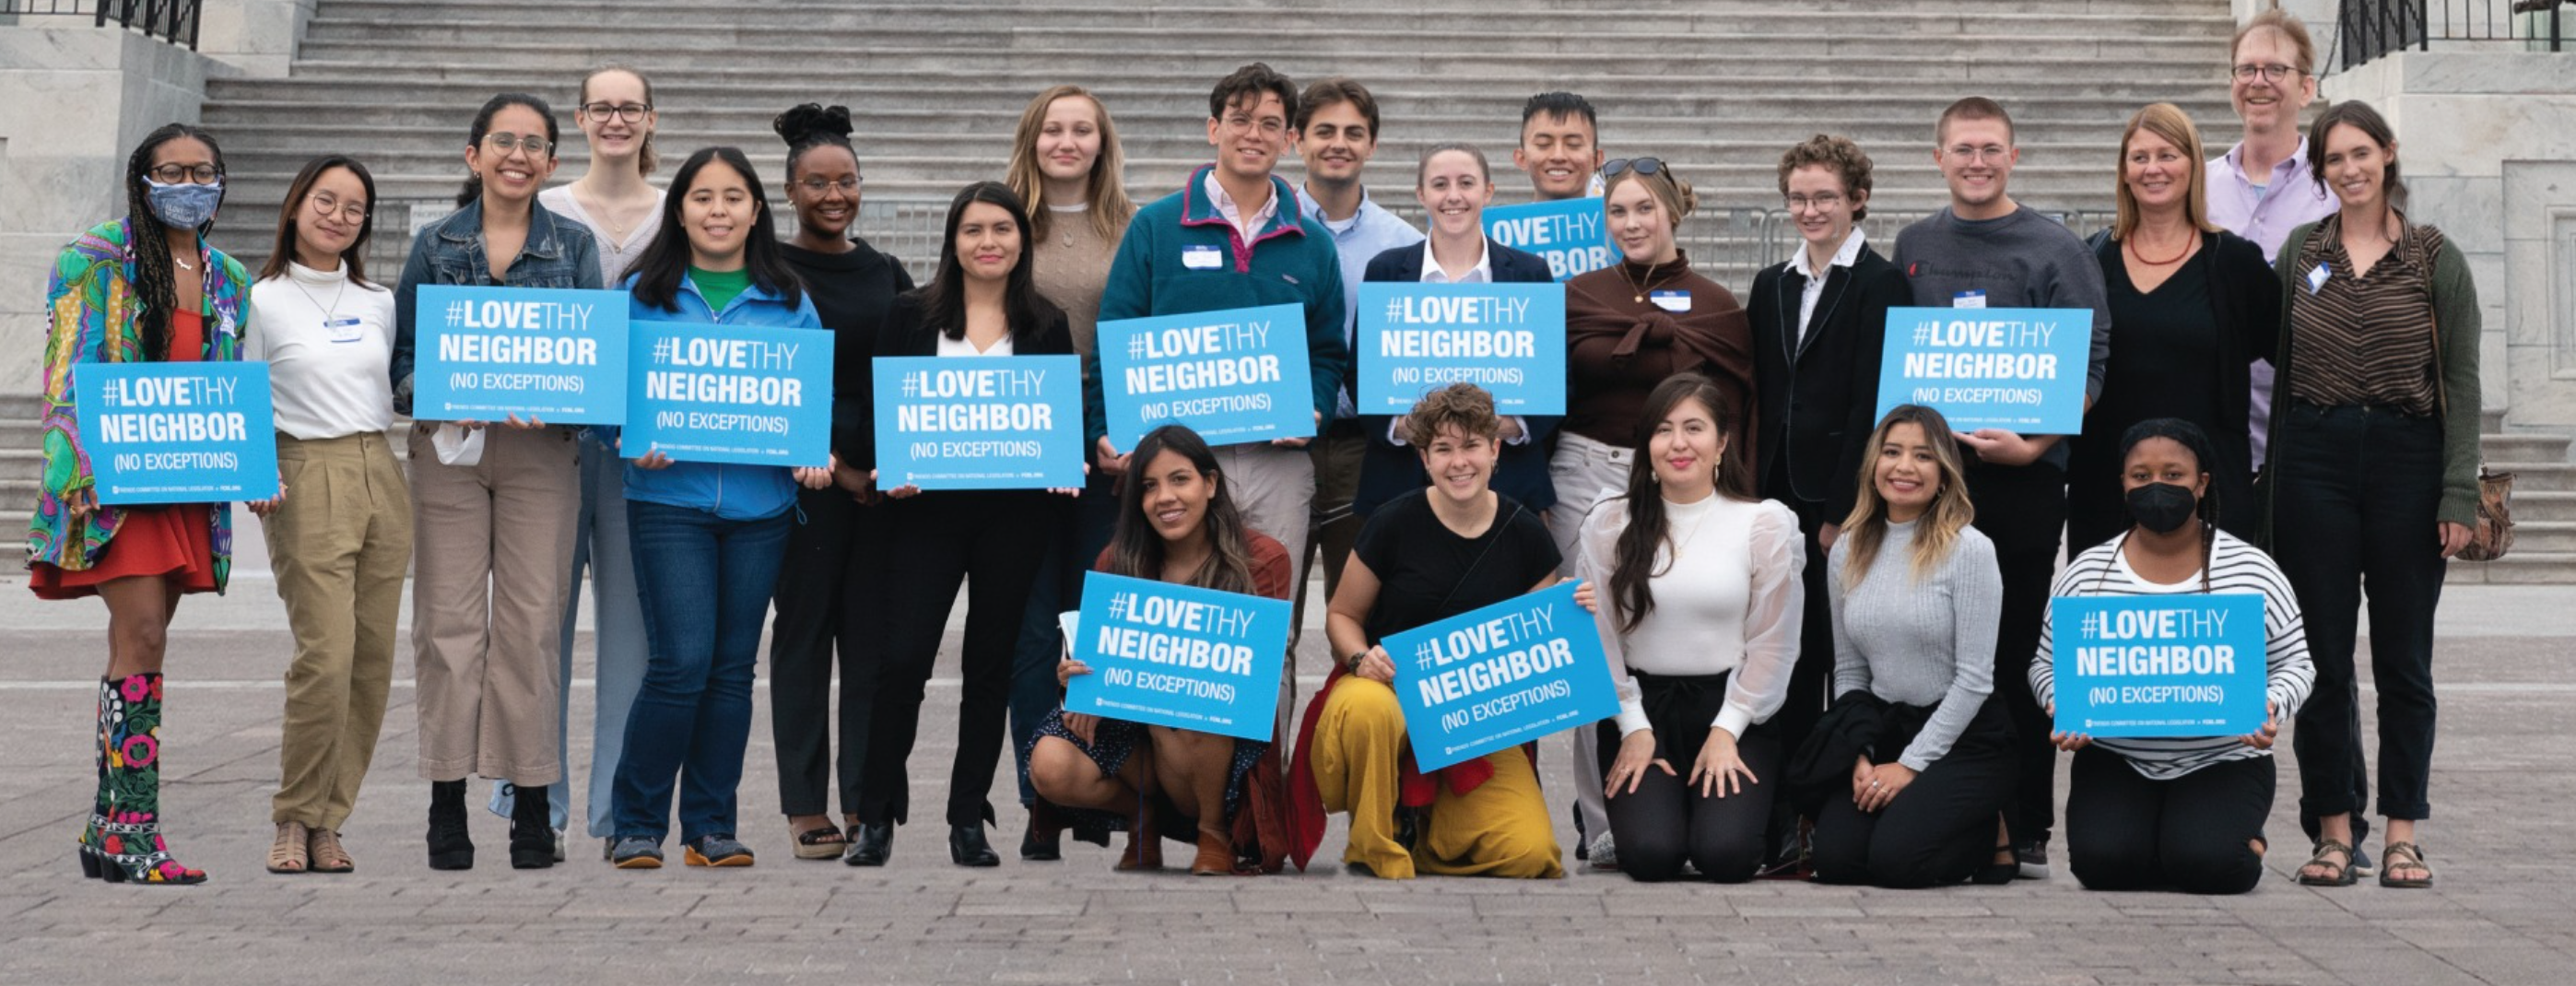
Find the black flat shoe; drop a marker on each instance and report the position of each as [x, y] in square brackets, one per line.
[870, 844]
[966, 847]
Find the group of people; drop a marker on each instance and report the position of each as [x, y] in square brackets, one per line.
[1828, 629]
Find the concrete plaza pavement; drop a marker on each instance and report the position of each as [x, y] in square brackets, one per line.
[2502, 840]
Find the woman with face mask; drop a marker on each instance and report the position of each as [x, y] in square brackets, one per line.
[143, 288]
[2180, 813]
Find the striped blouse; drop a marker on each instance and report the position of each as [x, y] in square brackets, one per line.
[2234, 567]
[2366, 340]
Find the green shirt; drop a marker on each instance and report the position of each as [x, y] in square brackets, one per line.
[720, 286]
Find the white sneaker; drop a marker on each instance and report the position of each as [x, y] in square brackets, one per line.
[559, 845]
[1604, 853]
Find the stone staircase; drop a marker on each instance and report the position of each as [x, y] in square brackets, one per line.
[22, 470]
[1716, 87]
[2544, 508]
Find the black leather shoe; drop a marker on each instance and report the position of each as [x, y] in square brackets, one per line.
[1036, 850]
[966, 846]
[872, 843]
[451, 847]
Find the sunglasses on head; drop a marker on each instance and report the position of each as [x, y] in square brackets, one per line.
[1642, 165]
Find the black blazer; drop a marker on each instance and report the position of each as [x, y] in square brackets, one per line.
[1390, 470]
[1819, 397]
[905, 334]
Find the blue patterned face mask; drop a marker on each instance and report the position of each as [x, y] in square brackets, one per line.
[184, 205]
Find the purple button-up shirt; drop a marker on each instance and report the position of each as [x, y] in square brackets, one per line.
[2289, 197]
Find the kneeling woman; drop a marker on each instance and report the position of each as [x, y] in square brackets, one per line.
[1915, 760]
[708, 537]
[1425, 556]
[1177, 523]
[2184, 813]
[1701, 631]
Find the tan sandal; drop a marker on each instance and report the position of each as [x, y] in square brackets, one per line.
[328, 856]
[2337, 874]
[2403, 854]
[287, 853]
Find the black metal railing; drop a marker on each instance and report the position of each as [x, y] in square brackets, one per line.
[2367, 29]
[174, 21]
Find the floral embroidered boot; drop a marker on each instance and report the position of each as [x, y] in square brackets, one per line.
[92, 833]
[130, 847]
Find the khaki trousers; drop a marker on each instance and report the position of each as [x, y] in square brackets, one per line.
[339, 545]
[493, 564]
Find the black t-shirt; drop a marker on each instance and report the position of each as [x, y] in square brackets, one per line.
[1427, 573]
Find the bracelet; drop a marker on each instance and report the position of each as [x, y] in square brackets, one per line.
[1352, 663]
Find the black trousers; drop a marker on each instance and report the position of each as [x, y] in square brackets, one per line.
[2022, 509]
[1811, 679]
[993, 543]
[1938, 830]
[2191, 833]
[1666, 822]
[830, 599]
[2359, 487]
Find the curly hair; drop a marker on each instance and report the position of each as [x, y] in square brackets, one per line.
[1461, 407]
[1836, 154]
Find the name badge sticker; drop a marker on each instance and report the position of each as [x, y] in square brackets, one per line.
[2317, 278]
[1201, 258]
[1671, 301]
[1968, 299]
[344, 329]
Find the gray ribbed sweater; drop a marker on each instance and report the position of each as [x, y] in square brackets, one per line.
[1927, 643]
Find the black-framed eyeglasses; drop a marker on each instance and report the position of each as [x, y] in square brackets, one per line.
[629, 112]
[194, 174]
[1640, 165]
[507, 142]
[2270, 73]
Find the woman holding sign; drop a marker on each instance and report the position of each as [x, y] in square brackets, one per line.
[1628, 326]
[145, 288]
[707, 536]
[2180, 812]
[982, 302]
[2374, 460]
[1907, 776]
[1701, 633]
[341, 549]
[493, 508]
[1176, 523]
[1424, 557]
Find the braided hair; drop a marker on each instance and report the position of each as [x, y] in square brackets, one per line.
[2196, 442]
[154, 284]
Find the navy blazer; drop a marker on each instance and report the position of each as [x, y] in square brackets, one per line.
[1390, 470]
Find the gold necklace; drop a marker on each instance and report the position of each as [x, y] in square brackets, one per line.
[1646, 288]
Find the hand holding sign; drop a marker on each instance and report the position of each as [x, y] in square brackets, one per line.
[1992, 371]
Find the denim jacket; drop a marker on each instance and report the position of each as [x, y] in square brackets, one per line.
[729, 490]
[559, 254]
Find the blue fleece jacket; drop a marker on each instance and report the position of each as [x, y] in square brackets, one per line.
[729, 490]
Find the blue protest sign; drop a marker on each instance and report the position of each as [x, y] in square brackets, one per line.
[757, 395]
[2018, 369]
[1233, 376]
[485, 353]
[2176, 665]
[177, 432]
[1500, 676]
[1179, 656]
[1507, 338]
[1570, 233]
[997, 423]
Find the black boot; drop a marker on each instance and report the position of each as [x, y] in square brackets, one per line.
[450, 846]
[532, 832]
[968, 847]
[871, 844]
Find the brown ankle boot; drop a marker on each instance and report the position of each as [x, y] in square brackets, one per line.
[1144, 843]
[1216, 854]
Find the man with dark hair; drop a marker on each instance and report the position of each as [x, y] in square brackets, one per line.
[1560, 145]
[1985, 250]
[1234, 237]
[1337, 130]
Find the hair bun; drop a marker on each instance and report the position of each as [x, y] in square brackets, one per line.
[812, 120]
[1682, 190]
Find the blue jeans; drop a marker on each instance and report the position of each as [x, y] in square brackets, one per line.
[600, 545]
[705, 584]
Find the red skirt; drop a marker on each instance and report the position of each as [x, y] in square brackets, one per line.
[176, 542]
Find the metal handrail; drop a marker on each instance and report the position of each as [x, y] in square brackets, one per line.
[2368, 29]
[174, 21]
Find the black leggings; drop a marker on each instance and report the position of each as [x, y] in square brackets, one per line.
[1936, 831]
[1666, 822]
[2126, 832]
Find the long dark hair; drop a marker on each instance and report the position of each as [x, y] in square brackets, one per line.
[1136, 550]
[2195, 441]
[149, 239]
[665, 263]
[353, 257]
[943, 300]
[1937, 530]
[1649, 531]
[483, 125]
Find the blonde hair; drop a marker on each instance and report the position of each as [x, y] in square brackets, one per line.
[2169, 122]
[1107, 186]
[1668, 189]
[1939, 527]
[2292, 29]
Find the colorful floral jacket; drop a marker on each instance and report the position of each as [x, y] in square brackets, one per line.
[93, 305]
